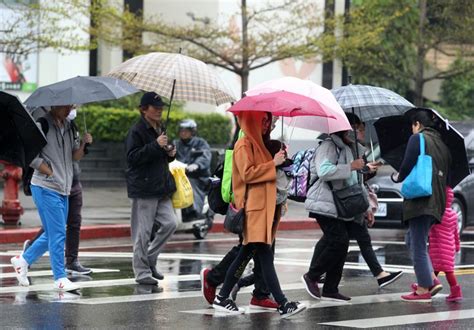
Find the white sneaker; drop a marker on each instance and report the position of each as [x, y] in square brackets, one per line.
[63, 284]
[21, 270]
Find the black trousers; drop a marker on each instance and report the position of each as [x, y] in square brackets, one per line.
[360, 233]
[217, 274]
[330, 253]
[263, 254]
[74, 219]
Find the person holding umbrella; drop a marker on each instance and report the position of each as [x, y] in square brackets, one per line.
[423, 212]
[150, 186]
[50, 186]
[253, 183]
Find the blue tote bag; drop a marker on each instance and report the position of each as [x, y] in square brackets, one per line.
[418, 183]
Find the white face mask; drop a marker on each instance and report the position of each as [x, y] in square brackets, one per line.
[72, 115]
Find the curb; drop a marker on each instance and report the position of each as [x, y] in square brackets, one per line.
[110, 231]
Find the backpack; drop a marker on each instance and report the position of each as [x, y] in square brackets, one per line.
[300, 175]
[28, 172]
[214, 197]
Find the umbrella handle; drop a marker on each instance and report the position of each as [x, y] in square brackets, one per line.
[169, 107]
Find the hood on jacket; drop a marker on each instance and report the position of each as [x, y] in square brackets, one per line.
[251, 124]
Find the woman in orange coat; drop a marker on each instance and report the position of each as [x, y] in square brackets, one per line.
[254, 187]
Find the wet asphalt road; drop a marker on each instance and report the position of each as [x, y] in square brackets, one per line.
[110, 299]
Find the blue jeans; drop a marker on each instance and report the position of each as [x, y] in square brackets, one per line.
[416, 240]
[52, 209]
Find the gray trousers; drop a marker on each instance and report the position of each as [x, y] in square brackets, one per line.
[145, 213]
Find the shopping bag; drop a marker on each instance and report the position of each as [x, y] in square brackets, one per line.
[183, 196]
[418, 183]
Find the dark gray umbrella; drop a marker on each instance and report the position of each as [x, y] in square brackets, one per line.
[370, 102]
[80, 90]
[20, 139]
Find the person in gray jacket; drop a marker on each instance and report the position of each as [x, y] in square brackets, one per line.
[334, 162]
[50, 186]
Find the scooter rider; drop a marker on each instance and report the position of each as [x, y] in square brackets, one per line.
[196, 153]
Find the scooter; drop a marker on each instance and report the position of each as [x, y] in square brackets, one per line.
[198, 226]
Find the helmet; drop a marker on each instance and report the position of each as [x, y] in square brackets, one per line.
[188, 124]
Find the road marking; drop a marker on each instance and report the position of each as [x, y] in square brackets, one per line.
[168, 295]
[358, 300]
[96, 284]
[404, 319]
[50, 273]
[5, 265]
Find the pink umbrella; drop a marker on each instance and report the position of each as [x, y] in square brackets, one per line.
[281, 103]
[335, 120]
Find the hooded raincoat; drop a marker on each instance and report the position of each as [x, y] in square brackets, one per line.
[254, 180]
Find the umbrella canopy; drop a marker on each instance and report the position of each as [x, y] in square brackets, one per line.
[183, 77]
[370, 102]
[337, 120]
[80, 90]
[394, 132]
[280, 104]
[20, 139]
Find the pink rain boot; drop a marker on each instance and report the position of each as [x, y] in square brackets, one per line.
[455, 295]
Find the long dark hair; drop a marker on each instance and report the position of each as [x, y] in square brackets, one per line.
[425, 117]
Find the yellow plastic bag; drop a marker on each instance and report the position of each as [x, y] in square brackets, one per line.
[183, 197]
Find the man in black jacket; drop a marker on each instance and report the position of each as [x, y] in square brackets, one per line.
[150, 186]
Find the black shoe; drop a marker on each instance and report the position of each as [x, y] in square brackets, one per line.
[156, 274]
[76, 268]
[384, 281]
[226, 305]
[335, 297]
[311, 287]
[291, 308]
[147, 281]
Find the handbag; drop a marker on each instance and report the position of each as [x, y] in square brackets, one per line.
[234, 219]
[350, 201]
[183, 196]
[418, 183]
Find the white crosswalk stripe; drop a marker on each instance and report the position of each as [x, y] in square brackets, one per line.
[50, 273]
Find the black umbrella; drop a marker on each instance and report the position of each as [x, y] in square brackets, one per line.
[393, 134]
[20, 139]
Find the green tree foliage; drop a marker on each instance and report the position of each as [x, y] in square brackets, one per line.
[112, 124]
[413, 31]
[457, 95]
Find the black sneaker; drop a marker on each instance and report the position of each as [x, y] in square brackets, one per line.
[226, 305]
[147, 281]
[335, 297]
[77, 268]
[311, 287]
[156, 274]
[291, 308]
[384, 281]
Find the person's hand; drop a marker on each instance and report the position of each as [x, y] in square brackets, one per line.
[357, 164]
[373, 167]
[370, 218]
[192, 168]
[279, 158]
[45, 169]
[87, 138]
[171, 152]
[162, 140]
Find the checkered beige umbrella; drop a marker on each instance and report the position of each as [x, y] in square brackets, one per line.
[193, 80]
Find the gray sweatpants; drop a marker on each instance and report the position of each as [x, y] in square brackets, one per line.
[145, 213]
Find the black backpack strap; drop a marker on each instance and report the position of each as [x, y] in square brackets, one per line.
[44, 125]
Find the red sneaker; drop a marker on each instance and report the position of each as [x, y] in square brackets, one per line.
[425, 297]
[434, 289]
[265, 303]
[208, 291]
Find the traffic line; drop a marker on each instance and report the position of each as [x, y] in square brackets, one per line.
[96, 284]
[315, 304]
[50, 273]
[389, 321]
[5, 265]
[167, 295]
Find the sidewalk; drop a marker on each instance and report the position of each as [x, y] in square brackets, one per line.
[106, 214]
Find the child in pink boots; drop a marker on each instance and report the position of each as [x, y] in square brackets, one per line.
[444, 243]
